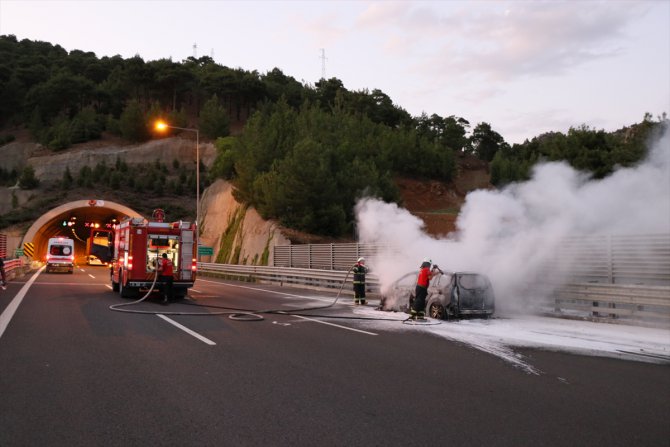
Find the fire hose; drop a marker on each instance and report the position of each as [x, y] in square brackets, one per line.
[249, 314]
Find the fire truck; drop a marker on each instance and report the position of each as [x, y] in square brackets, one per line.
[138, 246]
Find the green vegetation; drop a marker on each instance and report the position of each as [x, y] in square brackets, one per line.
[8, 177]
[6, 139]
[584, 148]
[307, 167]
[28, 179]
[228, 252]
[265, 257]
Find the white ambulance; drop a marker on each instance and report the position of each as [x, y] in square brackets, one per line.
[60, 254]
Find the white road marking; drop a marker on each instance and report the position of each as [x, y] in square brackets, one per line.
[187, 330]
[7, 315]
[91, 276]
[270, 291]
[335, 325]
[108, 286]
[194, 290]
[295, 296]
[69, 284]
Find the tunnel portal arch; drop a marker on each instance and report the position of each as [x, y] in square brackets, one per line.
[50, 224]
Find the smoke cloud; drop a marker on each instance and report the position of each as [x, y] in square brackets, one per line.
[510, 234]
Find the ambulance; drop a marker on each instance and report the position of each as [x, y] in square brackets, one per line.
[60, 255]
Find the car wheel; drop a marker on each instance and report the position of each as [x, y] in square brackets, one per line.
[436, 310]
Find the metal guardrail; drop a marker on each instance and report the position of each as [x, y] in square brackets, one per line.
[11, 266]
[315, 278]
[629, 303]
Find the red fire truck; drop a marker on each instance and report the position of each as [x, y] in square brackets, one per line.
[139, 243]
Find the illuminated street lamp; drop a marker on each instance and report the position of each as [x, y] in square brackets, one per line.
[162, 126]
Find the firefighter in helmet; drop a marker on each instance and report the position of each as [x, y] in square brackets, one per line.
[359, 269]
[418, 309]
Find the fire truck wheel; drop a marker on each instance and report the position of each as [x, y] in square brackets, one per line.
[115, 286]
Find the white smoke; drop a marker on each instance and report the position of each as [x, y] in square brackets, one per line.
[510, 234]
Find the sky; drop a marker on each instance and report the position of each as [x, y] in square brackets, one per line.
[524, 67]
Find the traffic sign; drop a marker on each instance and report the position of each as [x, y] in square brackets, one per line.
[205, 251]
[18, 252]
[29, 249]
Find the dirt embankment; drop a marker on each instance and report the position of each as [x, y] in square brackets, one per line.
[438, 203]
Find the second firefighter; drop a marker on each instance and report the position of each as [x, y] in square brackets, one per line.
[359, 270]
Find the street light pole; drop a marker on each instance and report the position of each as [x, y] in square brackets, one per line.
[161, 126]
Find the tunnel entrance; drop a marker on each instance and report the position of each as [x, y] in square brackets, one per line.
[78, 220]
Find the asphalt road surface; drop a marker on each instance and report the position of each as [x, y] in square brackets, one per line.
[75, 373]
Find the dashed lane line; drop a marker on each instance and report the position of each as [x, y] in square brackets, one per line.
[335, 325]
[187, 330]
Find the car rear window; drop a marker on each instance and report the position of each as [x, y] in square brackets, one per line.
[473, 282]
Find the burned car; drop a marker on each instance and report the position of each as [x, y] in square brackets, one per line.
[450, 295]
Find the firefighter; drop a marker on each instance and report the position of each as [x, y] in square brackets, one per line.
[418, 309]
[359, 270]
[165, 275]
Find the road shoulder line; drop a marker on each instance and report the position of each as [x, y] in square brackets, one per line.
[7, 315]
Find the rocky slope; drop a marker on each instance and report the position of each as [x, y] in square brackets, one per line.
[236, 232]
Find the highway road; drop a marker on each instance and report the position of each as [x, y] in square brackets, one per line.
[75, 373]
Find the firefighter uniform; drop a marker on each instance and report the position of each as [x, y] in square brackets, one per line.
[166, 277]
[418, 309]
[359, 271]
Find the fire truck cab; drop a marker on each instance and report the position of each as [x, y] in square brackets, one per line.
[139, 243]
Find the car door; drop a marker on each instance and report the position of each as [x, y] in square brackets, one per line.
[473, 291]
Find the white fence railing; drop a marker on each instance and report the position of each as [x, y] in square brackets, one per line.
[323, 256]
[627, 259]
[620, 259]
